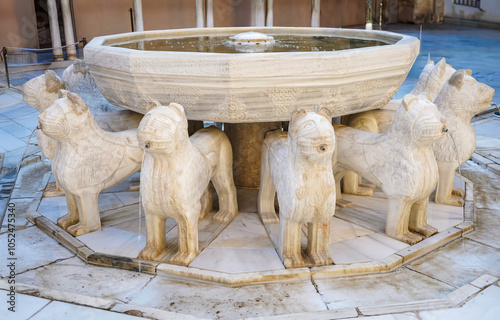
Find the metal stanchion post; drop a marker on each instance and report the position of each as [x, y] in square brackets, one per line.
[4, 53]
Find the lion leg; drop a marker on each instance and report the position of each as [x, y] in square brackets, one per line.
[267, 191]
[188, 237]
[224, 185]
[398, 219]
[352, 185]
[156, 243]
[71, 217]
[56, 192]
[341, 203]
[418, 218]
[289, 243]
[318, 235]
[444, 187]
[206, 202]
[88, 212]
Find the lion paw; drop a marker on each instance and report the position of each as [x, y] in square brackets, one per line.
[341, 203]
[57, 192]
[367, 185]
[320, 258]
[409, 237]
[79, 229]
[150, 253]
[269, 217]
[183, 258]
[66, 221]
[458, 192]
[425, 230]
[452, 201]
[293, 260]
[361, 191]
[224, 216]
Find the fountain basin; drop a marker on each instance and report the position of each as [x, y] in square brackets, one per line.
[252, 87]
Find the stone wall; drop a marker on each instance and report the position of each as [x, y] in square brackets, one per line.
[488, 12]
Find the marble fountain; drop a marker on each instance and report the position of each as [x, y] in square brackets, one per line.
[251, 93]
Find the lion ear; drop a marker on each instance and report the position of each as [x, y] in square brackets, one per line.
[178, 109]
[441, 66]
[457, 79]
[297, 114]
[53, 82]
[468, 72]
[408, 101]
[63, 93]
[79, 105]
[151, 105]
[325, 112]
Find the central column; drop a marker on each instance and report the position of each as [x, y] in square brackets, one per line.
[68, 30]
[54, 30]
[246, 140]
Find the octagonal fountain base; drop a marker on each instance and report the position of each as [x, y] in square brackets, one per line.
[242, 253]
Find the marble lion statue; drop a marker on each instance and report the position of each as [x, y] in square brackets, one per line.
[460, 99]
[297, 166]
[87, 159]
[40, 92]
[400, 161]
[175, 177]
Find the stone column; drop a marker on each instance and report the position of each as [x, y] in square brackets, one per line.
[246, 140]
[269, 15]
[210, 13]
[54, 30]
[259, 13]
[200, 23]
[139, 23]
[315, 11]
[68, 29]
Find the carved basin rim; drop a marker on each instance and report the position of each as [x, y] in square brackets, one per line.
[252, 87]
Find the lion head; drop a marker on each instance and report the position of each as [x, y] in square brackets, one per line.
[420, 118]
[463, 96]
[311, 134]
[65, 115]
[163, 128]
[41, 91]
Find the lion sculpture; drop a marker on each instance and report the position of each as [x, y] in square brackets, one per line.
[400, 161]
[175, 177]
[87, 159]
[460, 99]
[297, 166]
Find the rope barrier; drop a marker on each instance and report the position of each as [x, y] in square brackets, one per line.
[46, 49]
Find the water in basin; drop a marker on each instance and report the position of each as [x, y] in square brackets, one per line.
[221, 44]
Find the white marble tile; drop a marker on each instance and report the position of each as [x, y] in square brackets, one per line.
[397, 316]
[247, 200]
[443, 217]
[484, 306]
[342, 230]
[16, 129]
[30, 121]
[371, 203]
[53, 208]
[10, 142]
[125, 185]
[108, 201]
[245, 231]
[128, 197]
[114, 241]
[33, 249]
[370, 247]
[59, 310]
[139, 227]
[237, 260]
[25, 306]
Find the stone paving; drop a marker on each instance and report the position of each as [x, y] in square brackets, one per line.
[459, 280]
